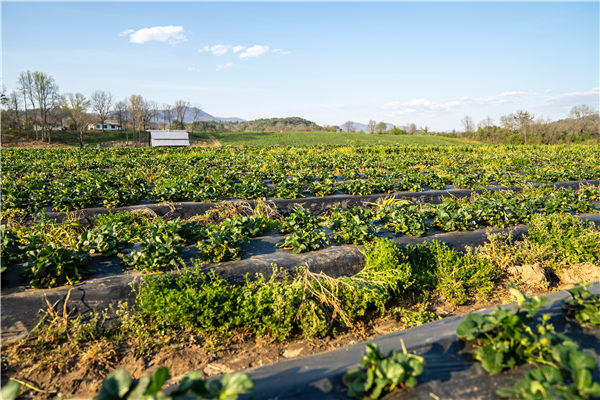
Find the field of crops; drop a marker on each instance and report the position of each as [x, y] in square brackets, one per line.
[178, 304]
[64, 180]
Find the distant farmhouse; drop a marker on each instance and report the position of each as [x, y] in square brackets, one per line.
[108, 126]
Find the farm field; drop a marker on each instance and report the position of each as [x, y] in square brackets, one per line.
[183, 314]
[328, 138]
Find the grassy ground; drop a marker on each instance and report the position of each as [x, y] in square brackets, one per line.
[326, 138]
[117, 139]
[63, 138]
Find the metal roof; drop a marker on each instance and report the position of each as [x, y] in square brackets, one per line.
[169, 138]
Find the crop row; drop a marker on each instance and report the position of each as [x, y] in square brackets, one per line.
[171, 308]
[70, 179]
[55, 254]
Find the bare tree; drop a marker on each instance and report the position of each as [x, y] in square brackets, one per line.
[76, 106]
[13, 105]
[468, 124]
[348, 126]
[197, 111]
[45, 91]
[181, 107]
[167, 114]
[25, 87]
[136, 104]
[101, 103]
[121, 110]
[381, 127]
[371, 126]
[412, 128]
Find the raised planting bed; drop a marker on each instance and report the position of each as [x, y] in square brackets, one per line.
[195, 321]
[314, 205]
[450, 370]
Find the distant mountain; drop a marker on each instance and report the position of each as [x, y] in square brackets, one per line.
[364, 127]
[195, 114]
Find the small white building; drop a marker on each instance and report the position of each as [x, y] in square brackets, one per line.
[169, 138]
[108, 126]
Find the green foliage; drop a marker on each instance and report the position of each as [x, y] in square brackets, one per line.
[403, 217]
[505, 339]
[460, 275]
[307, 239]
[584, 305]
[452, 217]
[573, 240]
[161, 252]
[51, 265]
[352, 226]
[300, 219]
[382, 255]
[120, 386]
[218, 246]
[381, 374]
[103, 239]
[569, 377]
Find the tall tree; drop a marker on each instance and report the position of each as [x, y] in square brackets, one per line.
[181, 107]
[121, 108]
[348, 126]
[45, 91]
[13, 104]
[381, 127]
[136, 105]
[468, 124]
[101, 103]
[25, 87]
[167, 115]
[76, 106]
[412, 128]
[371, 126]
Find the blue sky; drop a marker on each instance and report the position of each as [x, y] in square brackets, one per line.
[427, 63]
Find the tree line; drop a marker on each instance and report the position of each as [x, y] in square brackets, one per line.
[521, 127]
[37, 107]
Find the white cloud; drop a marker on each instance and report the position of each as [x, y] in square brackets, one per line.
[223, 66]
[255, 51]
[217, 49]
[582, 94]
[244, 51]
[170, 34]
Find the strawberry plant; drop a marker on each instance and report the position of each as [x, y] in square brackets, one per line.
[307, 239]
[51, 265]
[357, 187]
[568, 377]
[120, 386]
[381, 374]
[103, 239]
[584, 305]
[300, 219]
[161, 252]
[505, 339]
[218, 246]
[325, 187]
[452, 217]
[352, 226]
[288, 190]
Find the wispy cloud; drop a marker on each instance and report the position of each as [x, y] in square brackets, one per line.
[583, 94]
[255, 51]
[223, 66]
[170, 34]
[243, 51]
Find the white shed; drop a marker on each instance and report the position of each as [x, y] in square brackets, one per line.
[169, 138]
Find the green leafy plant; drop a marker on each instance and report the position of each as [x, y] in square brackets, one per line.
[381, 374]
[161, 252]
[304, 240]
[120, 386]
[300, 219]
[569, 377]
[52, 265]
[103, 239]
[352, 226]
[584, 305]
[505, 339]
